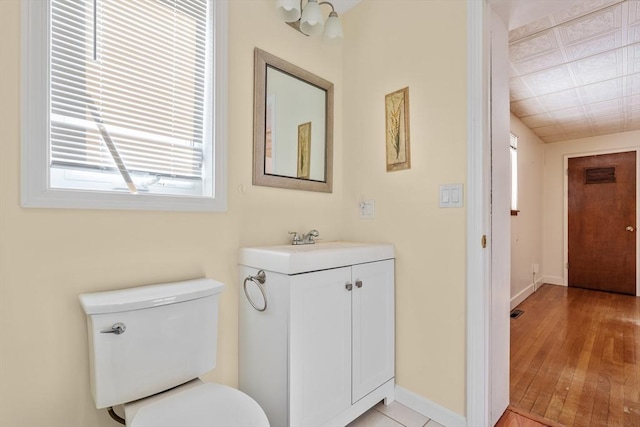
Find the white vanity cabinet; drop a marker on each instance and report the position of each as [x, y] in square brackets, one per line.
[322, 353]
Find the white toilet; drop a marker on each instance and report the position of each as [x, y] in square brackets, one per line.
[147, 347]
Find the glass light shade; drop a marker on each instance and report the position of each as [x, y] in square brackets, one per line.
[288, 10]
[311, 22]
[333, 27]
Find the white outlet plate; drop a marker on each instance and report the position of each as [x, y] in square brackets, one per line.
[367, 209]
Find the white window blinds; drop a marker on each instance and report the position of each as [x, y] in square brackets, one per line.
[130, 95]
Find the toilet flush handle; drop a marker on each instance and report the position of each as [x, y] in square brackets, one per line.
[117, 328]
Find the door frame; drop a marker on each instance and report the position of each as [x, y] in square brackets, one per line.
[479, 339]
[478, 278]
[565, 215]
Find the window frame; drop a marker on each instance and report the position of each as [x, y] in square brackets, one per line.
[36, 191]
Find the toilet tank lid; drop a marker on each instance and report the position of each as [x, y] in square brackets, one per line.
[148, 296]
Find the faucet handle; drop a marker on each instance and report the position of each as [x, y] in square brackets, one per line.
[312, 235]
[296, 238]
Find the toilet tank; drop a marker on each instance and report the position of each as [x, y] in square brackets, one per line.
[169, 338]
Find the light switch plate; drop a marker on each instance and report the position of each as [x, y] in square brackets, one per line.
[451, 196]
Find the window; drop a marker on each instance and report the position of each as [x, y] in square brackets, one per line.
[513, 148]
[124, 104]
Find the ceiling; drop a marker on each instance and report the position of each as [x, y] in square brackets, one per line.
[574, 65]
[575, 71]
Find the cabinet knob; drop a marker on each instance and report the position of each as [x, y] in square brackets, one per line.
[358, 283]
[349, 286]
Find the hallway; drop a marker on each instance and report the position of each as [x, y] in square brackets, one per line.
[575, 357]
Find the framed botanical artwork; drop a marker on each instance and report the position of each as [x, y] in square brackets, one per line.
[304, 150]
[397, 130]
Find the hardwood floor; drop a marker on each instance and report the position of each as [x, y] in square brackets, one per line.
[575, 357]
[514, 417]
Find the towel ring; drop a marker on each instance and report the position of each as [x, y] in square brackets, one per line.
[259, 280]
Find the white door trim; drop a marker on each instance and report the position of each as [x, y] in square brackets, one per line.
[565, 214]
[478, 216]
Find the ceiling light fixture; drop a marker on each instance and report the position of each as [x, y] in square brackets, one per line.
[310, 20]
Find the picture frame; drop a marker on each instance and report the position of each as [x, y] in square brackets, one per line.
[397, 136]
[304, 150]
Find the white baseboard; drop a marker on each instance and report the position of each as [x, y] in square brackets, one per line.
[522, 295]
[552, 280]
[429, 409]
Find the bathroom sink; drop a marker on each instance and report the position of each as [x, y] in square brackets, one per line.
[294, 259]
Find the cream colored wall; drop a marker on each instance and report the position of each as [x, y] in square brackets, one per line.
[554, 154]
[526, 227]
[48, 257]
[422, 45]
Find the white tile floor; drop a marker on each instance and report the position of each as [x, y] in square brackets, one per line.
[394, 415]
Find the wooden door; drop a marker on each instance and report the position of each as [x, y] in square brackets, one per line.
[602, 222]
[373, 327]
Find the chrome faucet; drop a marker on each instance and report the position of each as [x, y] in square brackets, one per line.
[306, 239]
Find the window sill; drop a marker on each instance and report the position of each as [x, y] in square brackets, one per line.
[95, 200]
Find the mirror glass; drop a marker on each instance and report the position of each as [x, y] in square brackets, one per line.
[292, 126]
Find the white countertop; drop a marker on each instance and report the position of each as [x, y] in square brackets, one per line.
[294, 259]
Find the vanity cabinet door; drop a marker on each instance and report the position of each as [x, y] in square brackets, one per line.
[373, 326]
[320, 346]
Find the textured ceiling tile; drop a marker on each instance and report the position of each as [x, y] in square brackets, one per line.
[532, 46]
[608, 120]
[595, 45]
[582, 9]
[527, 107]
[569, 114]
[528, 29]
[548, 130]
[632, 124]
[597, 68]
[598, 62]
[632, 85]
[560, 100]
[606, 107]
[605, 130]
[632, 102]
[550, 80]
[512, 70]
[556, 138]
[633, 33]
[597, 23]
[602, 75]
[634, 12]
[578, 134]
[602, 91]
[538, 120]
[633, 59]
[539, 62]
[518, 90]
[574, 127]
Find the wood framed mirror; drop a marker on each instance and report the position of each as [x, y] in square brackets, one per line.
[292, 127]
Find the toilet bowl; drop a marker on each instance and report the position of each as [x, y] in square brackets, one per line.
[196, 404]
[148, 346]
